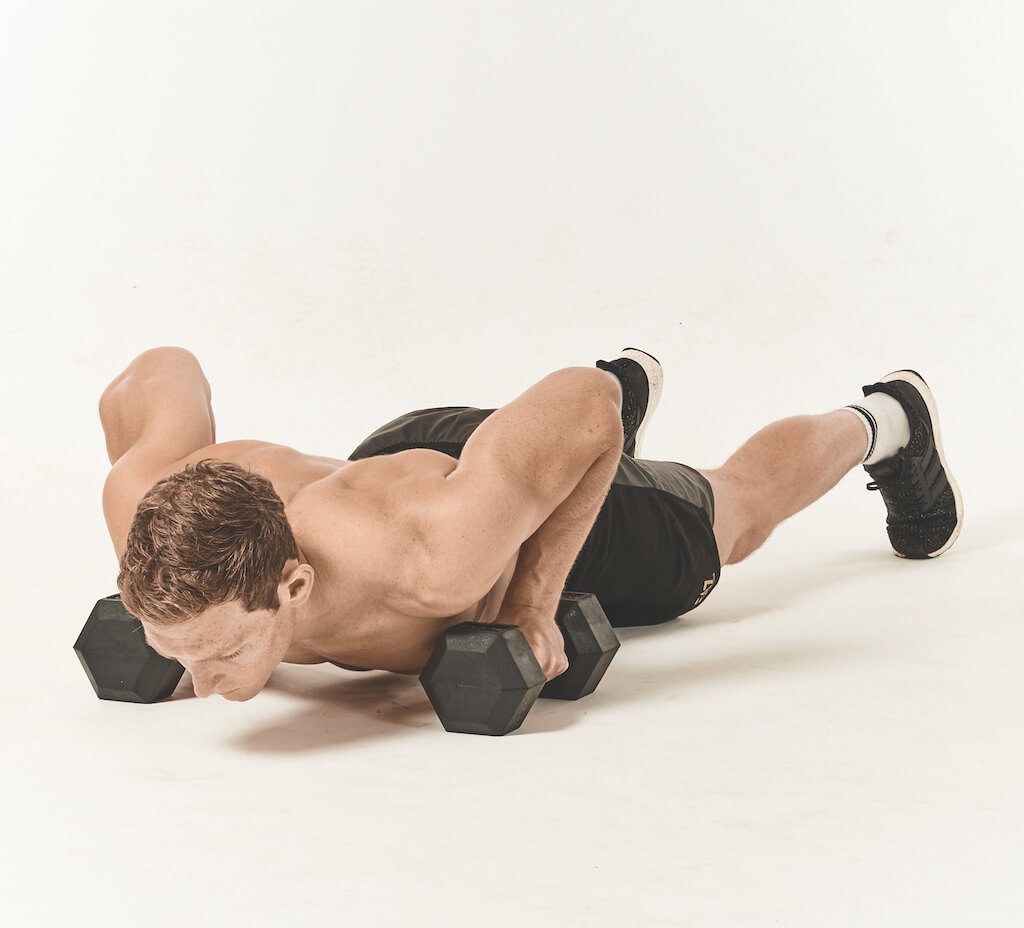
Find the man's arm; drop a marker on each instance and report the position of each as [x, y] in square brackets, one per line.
[160, 404]
[154, 413]
[547, 556]
[531, 478]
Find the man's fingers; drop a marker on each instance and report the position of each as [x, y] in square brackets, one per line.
[553, 659]
[548, 646]
[560, 667]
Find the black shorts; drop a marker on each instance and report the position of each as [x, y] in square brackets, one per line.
[651, 555]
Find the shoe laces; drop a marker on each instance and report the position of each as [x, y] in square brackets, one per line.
[906, 475]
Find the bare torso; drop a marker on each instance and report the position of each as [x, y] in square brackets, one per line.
[354, 523]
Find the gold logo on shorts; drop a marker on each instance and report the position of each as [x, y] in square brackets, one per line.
[709, 585]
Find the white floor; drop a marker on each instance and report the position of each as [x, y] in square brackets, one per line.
[348, 211]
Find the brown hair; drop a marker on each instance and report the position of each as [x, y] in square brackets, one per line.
[206, 535]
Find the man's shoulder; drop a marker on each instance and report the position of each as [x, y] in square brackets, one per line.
[374, 522]
[140, 468]
[133, 475]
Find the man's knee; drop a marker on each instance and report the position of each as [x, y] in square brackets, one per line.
[742, 518]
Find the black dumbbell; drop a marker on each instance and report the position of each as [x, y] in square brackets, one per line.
[483, 679]
[120, 665]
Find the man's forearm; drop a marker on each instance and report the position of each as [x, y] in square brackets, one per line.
[547, 556]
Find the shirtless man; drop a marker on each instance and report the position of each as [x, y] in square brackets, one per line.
[239, 555]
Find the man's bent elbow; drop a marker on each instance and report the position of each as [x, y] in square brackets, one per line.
[600, 395]
[164, 353]
[153, 362]
[163, 360]
[605, 422]
[593, 382]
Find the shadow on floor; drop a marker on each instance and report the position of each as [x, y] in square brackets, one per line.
[756, 591]
[375, 705]
[364, 707]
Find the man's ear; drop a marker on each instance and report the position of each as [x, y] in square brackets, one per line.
[296, 583]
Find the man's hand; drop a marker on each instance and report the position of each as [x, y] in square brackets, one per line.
[542, 634]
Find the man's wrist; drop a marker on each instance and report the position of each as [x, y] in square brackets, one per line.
[537, 612]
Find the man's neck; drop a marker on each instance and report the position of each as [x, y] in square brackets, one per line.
[317, 620]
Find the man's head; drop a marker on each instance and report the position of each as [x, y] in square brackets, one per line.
[208, 556]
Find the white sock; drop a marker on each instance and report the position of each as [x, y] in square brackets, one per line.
[887, 425]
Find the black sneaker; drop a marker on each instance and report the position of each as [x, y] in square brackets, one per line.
[641, 377]
[926, 510]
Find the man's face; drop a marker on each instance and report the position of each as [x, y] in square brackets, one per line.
[226, 649]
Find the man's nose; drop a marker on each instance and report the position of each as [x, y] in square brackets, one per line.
[204, 687]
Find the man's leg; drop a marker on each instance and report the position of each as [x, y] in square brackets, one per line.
[894, 432]
[779, 471]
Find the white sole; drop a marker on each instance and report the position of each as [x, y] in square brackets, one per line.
[917, 382]
[655, 381]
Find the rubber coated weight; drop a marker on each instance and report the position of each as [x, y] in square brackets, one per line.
[482, 679]
[120, 665]
[590, 645]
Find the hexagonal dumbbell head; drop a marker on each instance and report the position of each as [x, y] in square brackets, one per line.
[482, 679]
[590, 645]
[120, 665]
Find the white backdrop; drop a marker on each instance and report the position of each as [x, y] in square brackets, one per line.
[348, 210]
